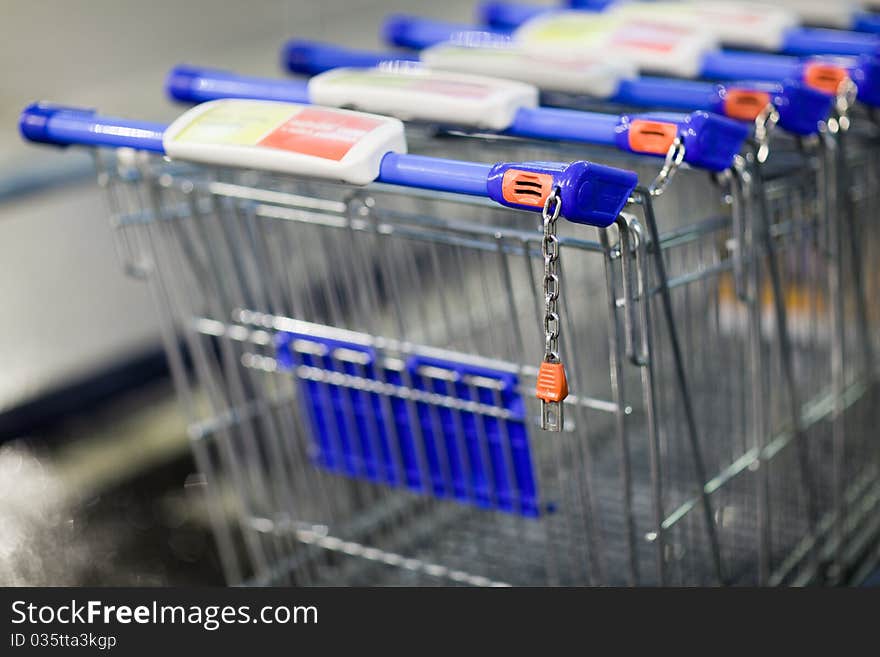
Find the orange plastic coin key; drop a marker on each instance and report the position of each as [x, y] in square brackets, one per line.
[651, 136]
[744, 104]
[552, 389]
[825, 77]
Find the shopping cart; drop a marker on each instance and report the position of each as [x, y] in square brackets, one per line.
[360, 390]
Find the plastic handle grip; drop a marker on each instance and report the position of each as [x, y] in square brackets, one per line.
[419, 33]
[434, 173]
[684, 95]
[64, 126]
[189, 84]
[506, 15]
[865, 72]
[724, 65]
[570, 125]
[311, 57]
[866, 22]
[804, 41]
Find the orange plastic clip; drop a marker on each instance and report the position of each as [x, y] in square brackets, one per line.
[825, 77]
[744, 104]
[552, 384]
[651, 136]
[526, 187]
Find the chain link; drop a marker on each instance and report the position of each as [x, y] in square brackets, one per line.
[550, 251]
[674, 158]
[845, 99]
[765, 122]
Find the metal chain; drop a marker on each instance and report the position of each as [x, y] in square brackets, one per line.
[764, 124]
[674, 158]
[845, 99]
[550, 251]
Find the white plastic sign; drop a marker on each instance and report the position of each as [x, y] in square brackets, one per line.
[742, 24]
[568, 73]
[415, 93]
[827, 13]
[648, 45]
[304, 140]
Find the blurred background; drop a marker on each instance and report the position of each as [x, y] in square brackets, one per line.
[96, 482]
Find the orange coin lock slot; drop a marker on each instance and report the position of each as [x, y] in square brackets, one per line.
[825, 77]
[525, 187]
[552, 383]
[651, 136]
[745, 105]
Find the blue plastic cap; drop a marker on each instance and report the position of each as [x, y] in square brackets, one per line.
[508, 15]
[298, 56]
[801, 108]
[182, 79]
[711, 141]
[591, 194]
[866, 22]
[818, 41]
[312, 57]
[395, 29]
[33, 123]
[416, 33]
[866, 74]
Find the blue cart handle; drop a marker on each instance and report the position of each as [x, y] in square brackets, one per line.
[192, 84]
[729, 65]
[866, 22]
[416, 33]
[590, 193]
[508, 16]
[62, 126]
[312, 57]
[668, 93]
[810, 41]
